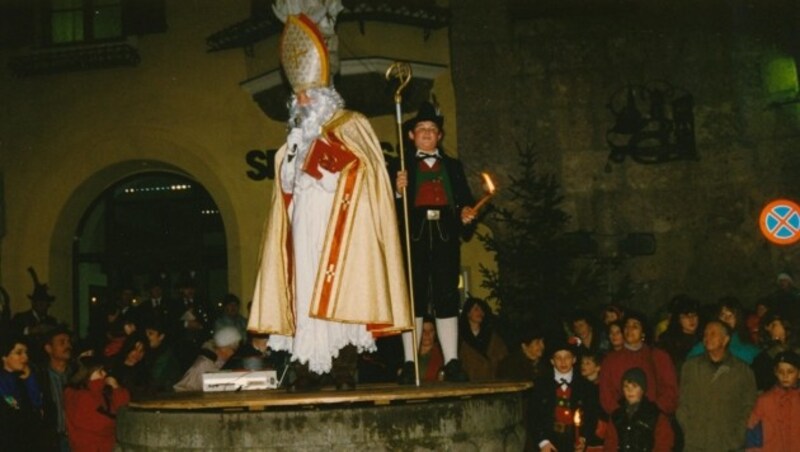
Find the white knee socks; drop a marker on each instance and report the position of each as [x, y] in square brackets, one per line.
[447, 331]
[408, 339]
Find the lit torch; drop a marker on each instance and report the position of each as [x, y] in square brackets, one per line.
[490, 191]
[576, 419]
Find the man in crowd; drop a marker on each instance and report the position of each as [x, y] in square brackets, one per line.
[332, 199]
[53, 375]
[717, 393]
[154, 308]
[191, 319]
[36, 321]
[439, 205]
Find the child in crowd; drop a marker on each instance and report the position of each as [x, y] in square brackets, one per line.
[637, 425]
[590, 365]
[590, 370]
[774, 424]
[91, 402]
[557, 396]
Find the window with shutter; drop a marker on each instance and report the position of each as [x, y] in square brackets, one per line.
[75, 21]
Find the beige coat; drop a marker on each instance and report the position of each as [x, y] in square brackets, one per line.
[362, 279]
[479, 367]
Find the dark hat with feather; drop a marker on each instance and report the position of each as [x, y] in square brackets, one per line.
[40, 291]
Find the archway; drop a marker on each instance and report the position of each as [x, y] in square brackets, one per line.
[154, 224]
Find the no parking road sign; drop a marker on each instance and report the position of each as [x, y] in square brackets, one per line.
[780, 222]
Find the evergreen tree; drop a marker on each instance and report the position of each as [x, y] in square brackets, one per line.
[535, 282]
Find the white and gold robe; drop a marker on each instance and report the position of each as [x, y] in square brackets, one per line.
[332, 273]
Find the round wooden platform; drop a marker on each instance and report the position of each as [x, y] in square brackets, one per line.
[463, 417]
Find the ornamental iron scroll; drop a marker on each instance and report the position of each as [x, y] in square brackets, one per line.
[654, 124]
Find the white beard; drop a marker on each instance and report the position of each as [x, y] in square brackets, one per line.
[325, 102]
[309, 119]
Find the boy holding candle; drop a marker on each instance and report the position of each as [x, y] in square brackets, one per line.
[564, 406]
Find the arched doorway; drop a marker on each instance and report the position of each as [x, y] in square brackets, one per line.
[146, 226]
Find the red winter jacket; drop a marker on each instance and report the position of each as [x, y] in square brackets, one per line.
[90, 418]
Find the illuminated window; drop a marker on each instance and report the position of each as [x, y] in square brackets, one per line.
[780, 77]
[85, 20]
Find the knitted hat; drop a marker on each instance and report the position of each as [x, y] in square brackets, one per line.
[304, 56]
[788, 357]
[786, 276]
[635, 375]
[227, 337]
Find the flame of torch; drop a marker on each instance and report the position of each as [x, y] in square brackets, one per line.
[576, 419]
[490, 191]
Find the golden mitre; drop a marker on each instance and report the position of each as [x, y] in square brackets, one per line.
[304, 55]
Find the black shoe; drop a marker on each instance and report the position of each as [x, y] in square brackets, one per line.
[407, 374]
[347, 383]
[454, 372]
[304, 383]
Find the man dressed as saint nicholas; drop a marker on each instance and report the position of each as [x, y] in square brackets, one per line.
[331, 275]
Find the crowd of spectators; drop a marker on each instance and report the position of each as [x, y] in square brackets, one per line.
[61, 392]
[718, 377]
[703, 377]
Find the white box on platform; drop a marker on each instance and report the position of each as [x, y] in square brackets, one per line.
[240, 380]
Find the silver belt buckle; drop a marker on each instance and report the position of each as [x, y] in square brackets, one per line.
[433, 215]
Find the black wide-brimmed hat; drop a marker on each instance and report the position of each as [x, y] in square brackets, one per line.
[427, 112]
[570, 344]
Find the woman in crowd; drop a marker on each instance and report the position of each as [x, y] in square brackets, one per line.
[128, 366]
[753, 320]
[614, 333]
[430, 355]
[525, 363]
[612, 313]
[777, 336]
[662, 382]
[683, 331]
[730, 312]
[91, 402]
[161, 362]
[481, 348]
[583, 327]
[21, 406]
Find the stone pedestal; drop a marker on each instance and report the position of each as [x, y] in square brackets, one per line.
[393, 418]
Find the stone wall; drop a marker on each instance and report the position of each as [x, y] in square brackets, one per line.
[543, 73]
